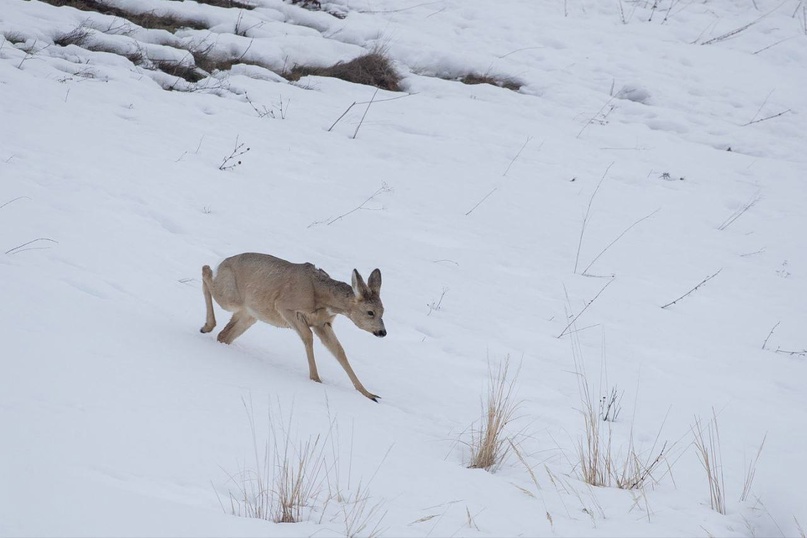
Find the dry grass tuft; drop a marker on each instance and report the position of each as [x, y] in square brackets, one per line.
[751, 471]
[316, 5]
[77, 37]
[597, 462]
[225, 3]
[707, 445]
[501, 82]
[372, 69]
[286, 479]
[149, 19]
[290, 481]
[181, 70]
[489, 444]
[15, 38]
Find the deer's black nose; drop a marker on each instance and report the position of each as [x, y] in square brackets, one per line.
[381, 334]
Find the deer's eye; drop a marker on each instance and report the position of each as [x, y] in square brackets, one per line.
[370, 313]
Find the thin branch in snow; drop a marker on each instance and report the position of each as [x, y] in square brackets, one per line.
[516, 157]
[801, 353]
[381, 190]
[763, 49]
[366, 110]
[702, 282]
[586, 216]
[565, 329]
[740, 211]
[765, 343]
[597, 257]
[14, 200]
[591, 120]
[741, 29]
[230, 162]
[18, 249]
[765, 102]
[767, 118]
[436, 305]
[494, 189]
[354, 103]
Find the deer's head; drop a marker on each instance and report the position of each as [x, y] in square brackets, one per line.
[367, 312]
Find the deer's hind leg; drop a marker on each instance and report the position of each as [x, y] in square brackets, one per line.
[240, 322]
[207, 283]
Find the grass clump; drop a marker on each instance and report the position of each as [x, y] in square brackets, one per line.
[489, 444]
[224, 3]
[501, 82]
[372, 69]
[707, 446]
[15, 38]
[148, 19]
[292, 479]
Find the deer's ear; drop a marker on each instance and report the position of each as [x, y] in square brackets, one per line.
[374, 282]
[359, 287]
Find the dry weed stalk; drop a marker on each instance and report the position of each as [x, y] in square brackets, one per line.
[285, 480]
[707, 445]
[489, 443]
[290, 480]
[751, 471]
[597, 463]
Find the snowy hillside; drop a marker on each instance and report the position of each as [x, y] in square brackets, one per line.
[646, 154]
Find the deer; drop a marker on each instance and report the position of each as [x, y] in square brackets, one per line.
[297, 296]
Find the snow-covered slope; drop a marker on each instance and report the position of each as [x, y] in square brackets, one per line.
[120, 418]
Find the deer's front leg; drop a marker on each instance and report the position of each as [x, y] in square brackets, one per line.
[328, 337]
[297, 322]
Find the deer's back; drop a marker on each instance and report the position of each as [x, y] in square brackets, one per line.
[267, 285]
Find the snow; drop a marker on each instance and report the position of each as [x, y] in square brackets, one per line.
[121, 419]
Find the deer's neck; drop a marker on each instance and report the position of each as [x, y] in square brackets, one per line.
[334, 295]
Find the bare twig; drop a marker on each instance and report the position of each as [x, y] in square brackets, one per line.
[611, 406]
[264, 111]
[584, 309]
[702, 282]
[354, 103]
[517, 154]
[741, 29]
[763, 49]
[494, 189]
[366, 110]
[435, 305]
[765, 343]
[381, 190]
[802, 353]
[597, 257]
[740, 211]
[767, 118]
[765, 102]
[586, 216]
[342, 116]
[14, 200]
[18, 249]
[669, 10]
[230, 162]
[591, 120]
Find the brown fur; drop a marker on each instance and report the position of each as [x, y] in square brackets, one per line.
[292, 295]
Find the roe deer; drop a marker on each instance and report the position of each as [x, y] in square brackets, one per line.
[298, 296]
